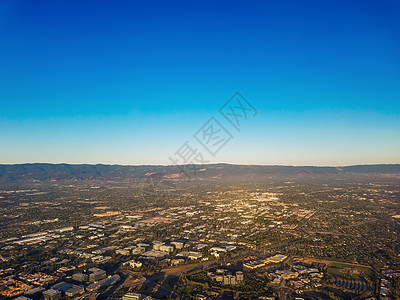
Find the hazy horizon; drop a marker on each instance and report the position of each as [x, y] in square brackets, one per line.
[214, 163]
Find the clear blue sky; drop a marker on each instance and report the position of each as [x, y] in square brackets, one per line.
[128, 82]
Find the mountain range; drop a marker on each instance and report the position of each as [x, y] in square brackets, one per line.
[45, 171]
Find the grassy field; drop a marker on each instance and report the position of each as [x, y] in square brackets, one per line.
[346, 270]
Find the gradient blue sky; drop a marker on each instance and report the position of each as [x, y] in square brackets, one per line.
[128, 82]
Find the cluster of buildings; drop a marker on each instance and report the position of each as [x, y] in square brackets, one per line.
[386, 286]
[11, 287]
[195, 233]
[168, 254]
[208, 230]
[254, 263]
[226, 277]
[41, 285]
[39, 278]
[298, 277]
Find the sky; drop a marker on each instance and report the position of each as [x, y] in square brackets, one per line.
[132, 82]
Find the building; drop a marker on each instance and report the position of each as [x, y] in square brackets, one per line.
[225, 276]
[200, 246]
[239, 276]
[253, 264]
[178, 245]
[74, 290]
[94, 269]
[138, 250]
[218, 249]
[52, 294]
[124, 251]
[194, 255]
[222, 248]
[93, 287]
[167, 248]
[276, 259]
[143, 245]
[152, 254]
[132, 296]
[68, 289]
[80, 277]
[232, 279]
[34, 293]
[65, 229]
[286, 274]
[157, 245]
[97, 275]
[177, 261]
[103, 283]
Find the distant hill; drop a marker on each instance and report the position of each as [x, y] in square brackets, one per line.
[384, 169]
[43, 171]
